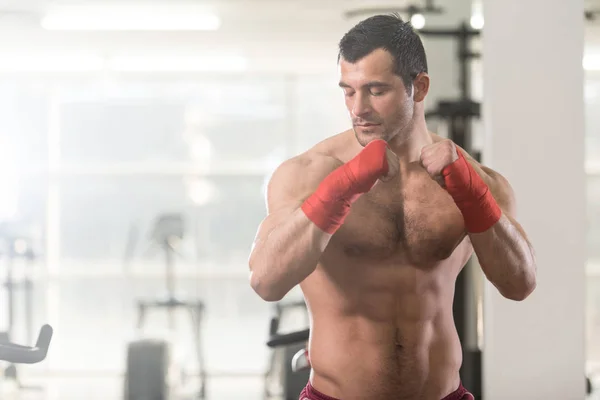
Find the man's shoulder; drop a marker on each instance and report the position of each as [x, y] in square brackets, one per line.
[312, 161]
[490, 176]
[498, 184]
[311, 166]
[333, 146]
[324, 155]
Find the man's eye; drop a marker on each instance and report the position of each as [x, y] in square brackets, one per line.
[377, 92]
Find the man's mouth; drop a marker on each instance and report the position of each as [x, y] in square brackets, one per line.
[366, 125]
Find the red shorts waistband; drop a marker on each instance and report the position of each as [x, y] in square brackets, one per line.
[310, 393]
[460, 394]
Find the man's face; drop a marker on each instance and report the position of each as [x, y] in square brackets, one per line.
[376, 98]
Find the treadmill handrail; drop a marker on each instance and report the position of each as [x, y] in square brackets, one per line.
[288, 339]
[19, 354]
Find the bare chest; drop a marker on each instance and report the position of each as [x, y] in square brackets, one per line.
[417, 222]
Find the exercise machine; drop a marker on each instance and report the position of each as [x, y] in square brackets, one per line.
[14, 353]
[19, 354]
[150, 367]
[289, 368]
[17, 244]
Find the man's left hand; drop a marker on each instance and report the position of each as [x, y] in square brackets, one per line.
[437, 156]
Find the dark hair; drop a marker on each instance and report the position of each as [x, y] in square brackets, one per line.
[391, 33]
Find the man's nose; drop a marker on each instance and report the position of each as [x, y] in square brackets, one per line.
[361, 106]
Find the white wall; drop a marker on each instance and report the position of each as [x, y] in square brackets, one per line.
[533, 110]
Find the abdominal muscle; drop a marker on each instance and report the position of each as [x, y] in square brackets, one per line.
[371, 342]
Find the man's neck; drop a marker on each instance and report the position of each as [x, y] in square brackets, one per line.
[408, 148]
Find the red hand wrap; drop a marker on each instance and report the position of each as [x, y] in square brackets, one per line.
[471, 194]
[329, 205]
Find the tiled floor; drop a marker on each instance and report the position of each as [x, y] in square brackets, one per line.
[596, 388]
[250, 388]
[111, 389]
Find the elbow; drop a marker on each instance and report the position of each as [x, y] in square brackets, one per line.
[522, 290]
[267, 292]
[518, 295]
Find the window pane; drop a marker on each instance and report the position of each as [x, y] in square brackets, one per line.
[24, 111]
[101, 215]
[230, 308]
[29, 222]
[593, 276]
[320, 111]
[593, 218]
[218, 121]
[593, 319]
[33, 195]
[592, 105]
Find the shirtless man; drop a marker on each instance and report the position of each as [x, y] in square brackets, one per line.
[375, 224]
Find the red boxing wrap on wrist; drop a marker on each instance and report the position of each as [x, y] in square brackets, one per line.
[472, 195]
[329, 205]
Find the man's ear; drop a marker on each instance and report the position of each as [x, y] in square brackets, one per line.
[421, 87]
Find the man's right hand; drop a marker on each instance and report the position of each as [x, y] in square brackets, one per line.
[290, 241]
[329, 205]
[374, 162]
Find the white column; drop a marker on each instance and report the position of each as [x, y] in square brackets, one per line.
[534, 121]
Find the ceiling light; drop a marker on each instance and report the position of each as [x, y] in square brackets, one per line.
[51, 62]
[418, 21]
[205, 63]
[477, 21]
[128, 17]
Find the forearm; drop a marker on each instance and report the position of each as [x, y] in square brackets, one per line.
[286, 256]
[289, 251]
[506, 258]
[487, 203]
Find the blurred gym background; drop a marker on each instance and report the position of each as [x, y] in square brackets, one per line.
[135, 142]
